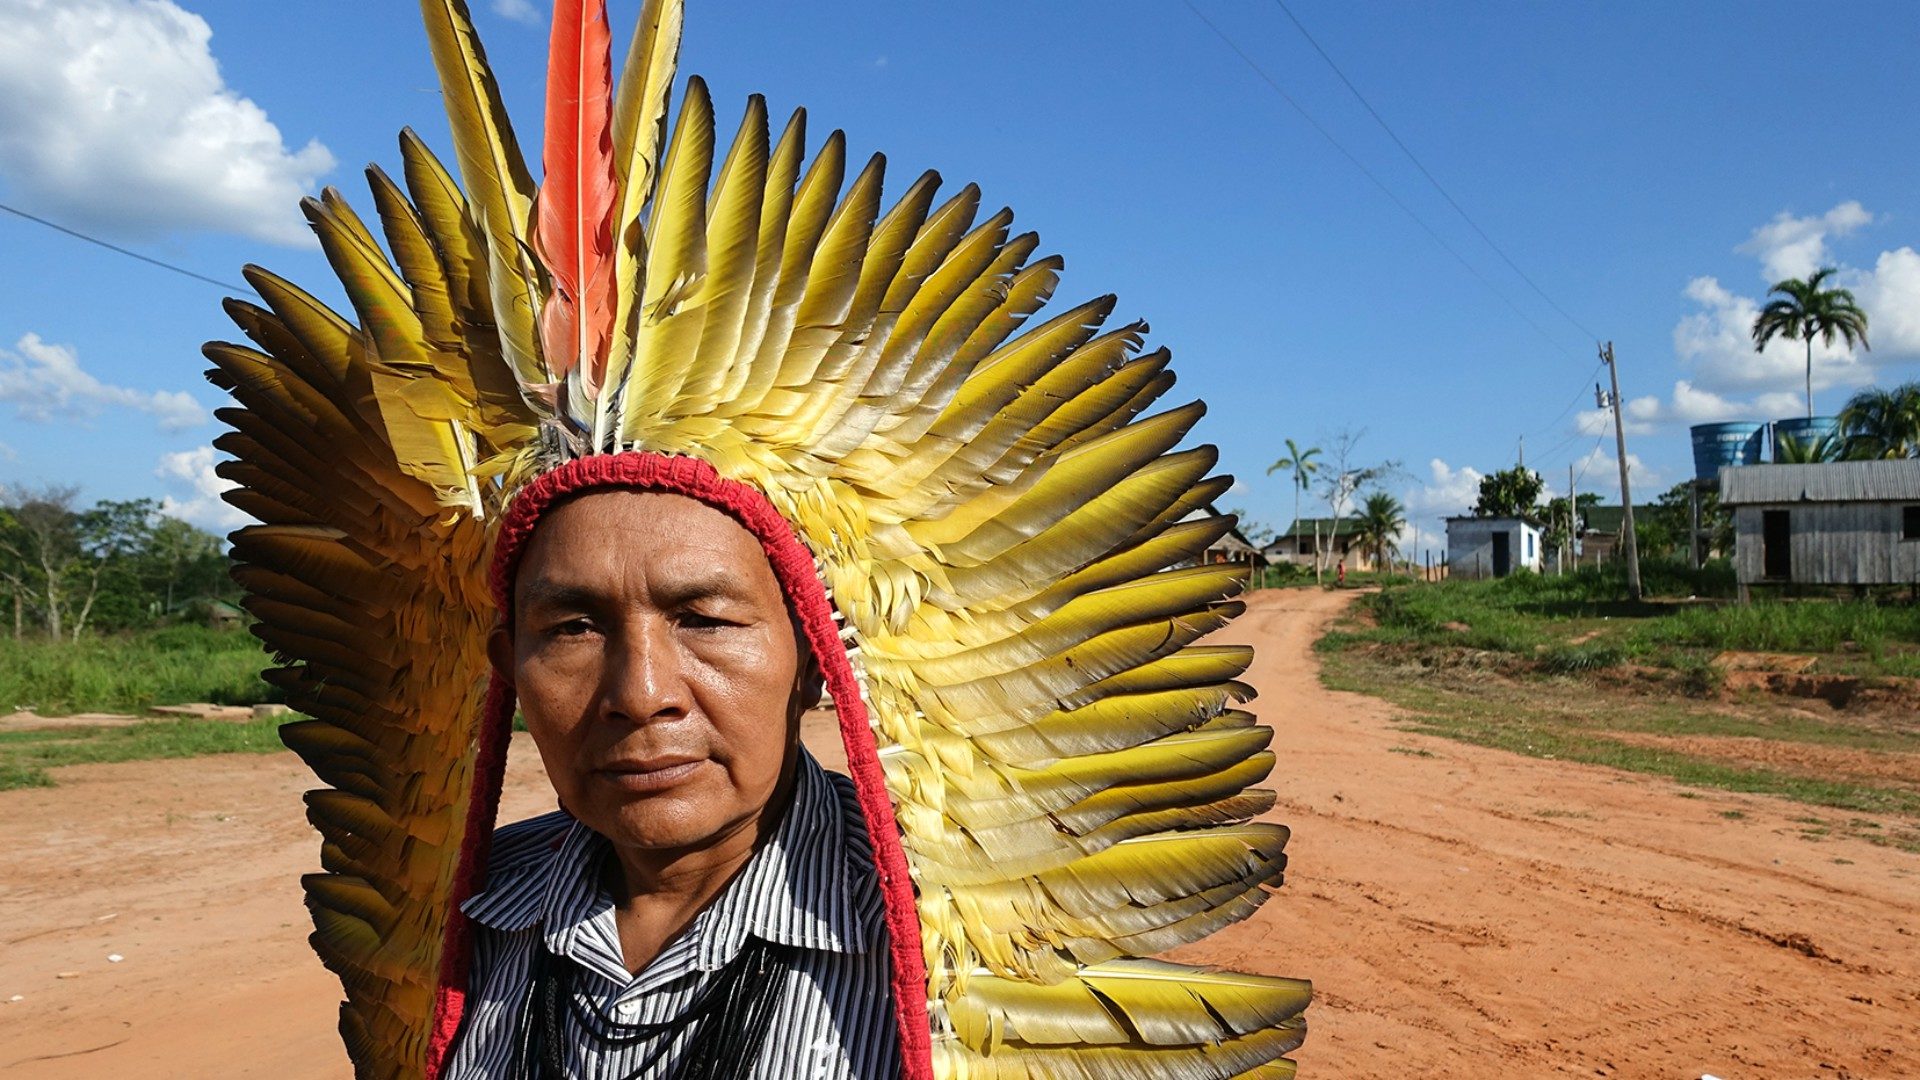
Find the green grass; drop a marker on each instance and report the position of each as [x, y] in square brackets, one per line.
[25, 756]
[132, 673]
[1579, 623]
[1568, 720]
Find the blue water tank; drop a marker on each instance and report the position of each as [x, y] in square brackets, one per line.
[1714, 445]
[1803, 430]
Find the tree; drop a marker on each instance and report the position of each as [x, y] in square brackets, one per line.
[1880, 424]
[1806, 311]
[1302, 465]
[113, 536]
[1564, 524]
[182, 562]
[1511, 492]
[1378, 524]
[1257, 532]
[114, 565]
[1663, 531]
[1810, 450]
[1341, 477]
[42, 548]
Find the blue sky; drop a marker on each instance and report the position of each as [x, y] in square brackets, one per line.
[1651, 166]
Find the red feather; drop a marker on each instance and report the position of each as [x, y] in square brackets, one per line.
[579, 194]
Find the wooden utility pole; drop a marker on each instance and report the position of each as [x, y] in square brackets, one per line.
[1629, 540]
[1573, 517]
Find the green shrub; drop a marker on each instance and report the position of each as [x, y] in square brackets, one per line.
[133, 672]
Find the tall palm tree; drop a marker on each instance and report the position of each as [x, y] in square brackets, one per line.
[1303, 466]
[1806, 311]
[1377, 522]
[1880, 423]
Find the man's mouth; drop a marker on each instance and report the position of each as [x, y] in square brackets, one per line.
[642, 775]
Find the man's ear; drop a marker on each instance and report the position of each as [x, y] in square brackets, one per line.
[500, 652]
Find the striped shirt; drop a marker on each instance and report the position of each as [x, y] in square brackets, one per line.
[811, 887]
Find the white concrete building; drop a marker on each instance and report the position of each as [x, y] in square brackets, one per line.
[1492, 547]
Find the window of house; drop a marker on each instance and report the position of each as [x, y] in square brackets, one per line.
[1910, 523]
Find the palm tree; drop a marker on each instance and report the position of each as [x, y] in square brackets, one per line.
[1806, 311]
[1883, 423]
[1303, 466]
[1378, 521]
[1811, 449]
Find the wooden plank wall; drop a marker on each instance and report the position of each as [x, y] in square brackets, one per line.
[1832, 544]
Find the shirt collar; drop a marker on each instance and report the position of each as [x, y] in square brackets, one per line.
[800, 889]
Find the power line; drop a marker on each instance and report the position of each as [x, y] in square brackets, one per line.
[1587, 462]
[1431, 179]
[1368, 173]
[78, 235]
[1577, 398]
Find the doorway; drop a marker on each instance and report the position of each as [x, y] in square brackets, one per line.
[1502, 554]
[1776, 546]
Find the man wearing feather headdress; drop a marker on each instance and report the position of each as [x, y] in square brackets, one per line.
[653, 450]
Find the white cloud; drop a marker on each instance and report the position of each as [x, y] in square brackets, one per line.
[1794, 247]
[203, 506]
[1599, 471]
[1890, 295]
[8, 453]
[44, 382]
[521, 11]
[1448, 492]
[1714, 342]
[1687, 406]
[114, 116]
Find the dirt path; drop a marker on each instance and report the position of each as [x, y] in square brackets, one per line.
[1468, 913]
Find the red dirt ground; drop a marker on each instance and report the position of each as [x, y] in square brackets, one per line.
[1472, 913]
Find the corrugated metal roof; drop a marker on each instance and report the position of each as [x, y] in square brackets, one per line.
[1839, 481]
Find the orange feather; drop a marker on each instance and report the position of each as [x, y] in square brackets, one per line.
[579, 193]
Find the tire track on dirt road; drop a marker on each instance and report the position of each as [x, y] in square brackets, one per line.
[1452, 931]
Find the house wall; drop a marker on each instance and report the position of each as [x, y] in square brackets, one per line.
[1300, 552]
[1470, 546]
[1850, 543]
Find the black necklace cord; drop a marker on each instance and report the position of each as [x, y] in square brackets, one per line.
[728, 1022]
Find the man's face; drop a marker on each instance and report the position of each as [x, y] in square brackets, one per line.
[656, 666]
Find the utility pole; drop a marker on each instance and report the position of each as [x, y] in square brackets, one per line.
[1630, 541]
[1573, 517]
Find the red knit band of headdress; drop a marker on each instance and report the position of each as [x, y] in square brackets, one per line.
[794, 567]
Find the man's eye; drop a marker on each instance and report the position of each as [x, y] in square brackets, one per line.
[698, 621]
[572, 627]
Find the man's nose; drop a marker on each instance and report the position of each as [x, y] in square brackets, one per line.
[645, 677]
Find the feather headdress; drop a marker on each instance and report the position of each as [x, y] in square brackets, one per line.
[967, 503]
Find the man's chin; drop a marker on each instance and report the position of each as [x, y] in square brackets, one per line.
[684, 816]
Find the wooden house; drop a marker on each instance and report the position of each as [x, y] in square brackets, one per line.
[1839, 523]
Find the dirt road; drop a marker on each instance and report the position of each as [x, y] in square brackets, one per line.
[1462, 912]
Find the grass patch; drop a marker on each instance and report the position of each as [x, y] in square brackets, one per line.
[1579, 624]
[25, 756]
[1411, 751]
[1572, 722]
[134, 672]
[1550, 813]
